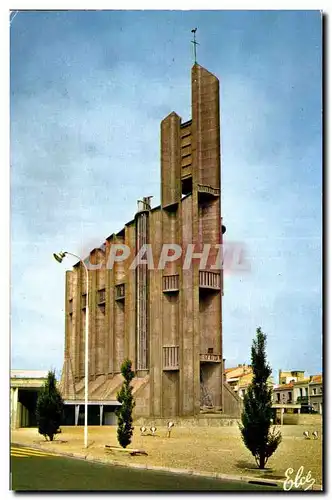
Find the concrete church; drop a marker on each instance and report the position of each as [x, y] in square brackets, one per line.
[167, 321]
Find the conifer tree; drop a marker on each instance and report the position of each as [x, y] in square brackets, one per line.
[49, 410]
[124, 412]
[257, 411]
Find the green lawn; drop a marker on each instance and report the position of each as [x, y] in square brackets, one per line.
[58, 473]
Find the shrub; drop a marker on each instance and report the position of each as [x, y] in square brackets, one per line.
[49, 410]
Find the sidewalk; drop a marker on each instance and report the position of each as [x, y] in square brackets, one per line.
[210, 452]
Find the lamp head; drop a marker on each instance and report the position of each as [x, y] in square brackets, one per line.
[59, 256]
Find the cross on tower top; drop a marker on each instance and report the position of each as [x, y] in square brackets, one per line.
[194, 43]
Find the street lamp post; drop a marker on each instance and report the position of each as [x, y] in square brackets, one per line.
[59, 258]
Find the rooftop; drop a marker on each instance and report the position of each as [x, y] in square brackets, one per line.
[282, 387]
[237, 371]
[317, 379]
[28, 373]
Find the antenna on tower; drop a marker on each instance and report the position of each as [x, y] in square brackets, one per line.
[194, 43]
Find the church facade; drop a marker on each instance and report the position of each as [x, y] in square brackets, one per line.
[155, 288]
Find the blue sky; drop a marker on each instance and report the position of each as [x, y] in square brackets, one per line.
[88, 92]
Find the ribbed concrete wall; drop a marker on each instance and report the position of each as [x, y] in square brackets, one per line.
[156, 318]
[100, 320]
[130, 300]
[187, 354]
[119, 315]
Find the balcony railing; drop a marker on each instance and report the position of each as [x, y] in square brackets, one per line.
[120, 292]
[207, 190]
[209, 279]
[210, 358]
[302, 399]
[171, 283]
[170, 357]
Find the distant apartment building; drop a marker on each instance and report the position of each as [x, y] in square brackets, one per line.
[301, 390]
[316, 393]
[283, 394]
[244, 383]
[286, 377]
[307, 392]
[239, 379]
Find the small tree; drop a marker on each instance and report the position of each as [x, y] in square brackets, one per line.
[49, 410]
[124, 412]
[257, 411]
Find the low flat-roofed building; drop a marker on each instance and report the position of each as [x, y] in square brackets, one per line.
[316, 393]
[24, 388]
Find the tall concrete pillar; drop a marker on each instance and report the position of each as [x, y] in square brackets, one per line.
[118, 311]
[14, 414]
[170, 160]
[77, 412]
[206, 228]
[205, 127]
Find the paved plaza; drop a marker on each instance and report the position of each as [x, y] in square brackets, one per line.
[208, 450]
